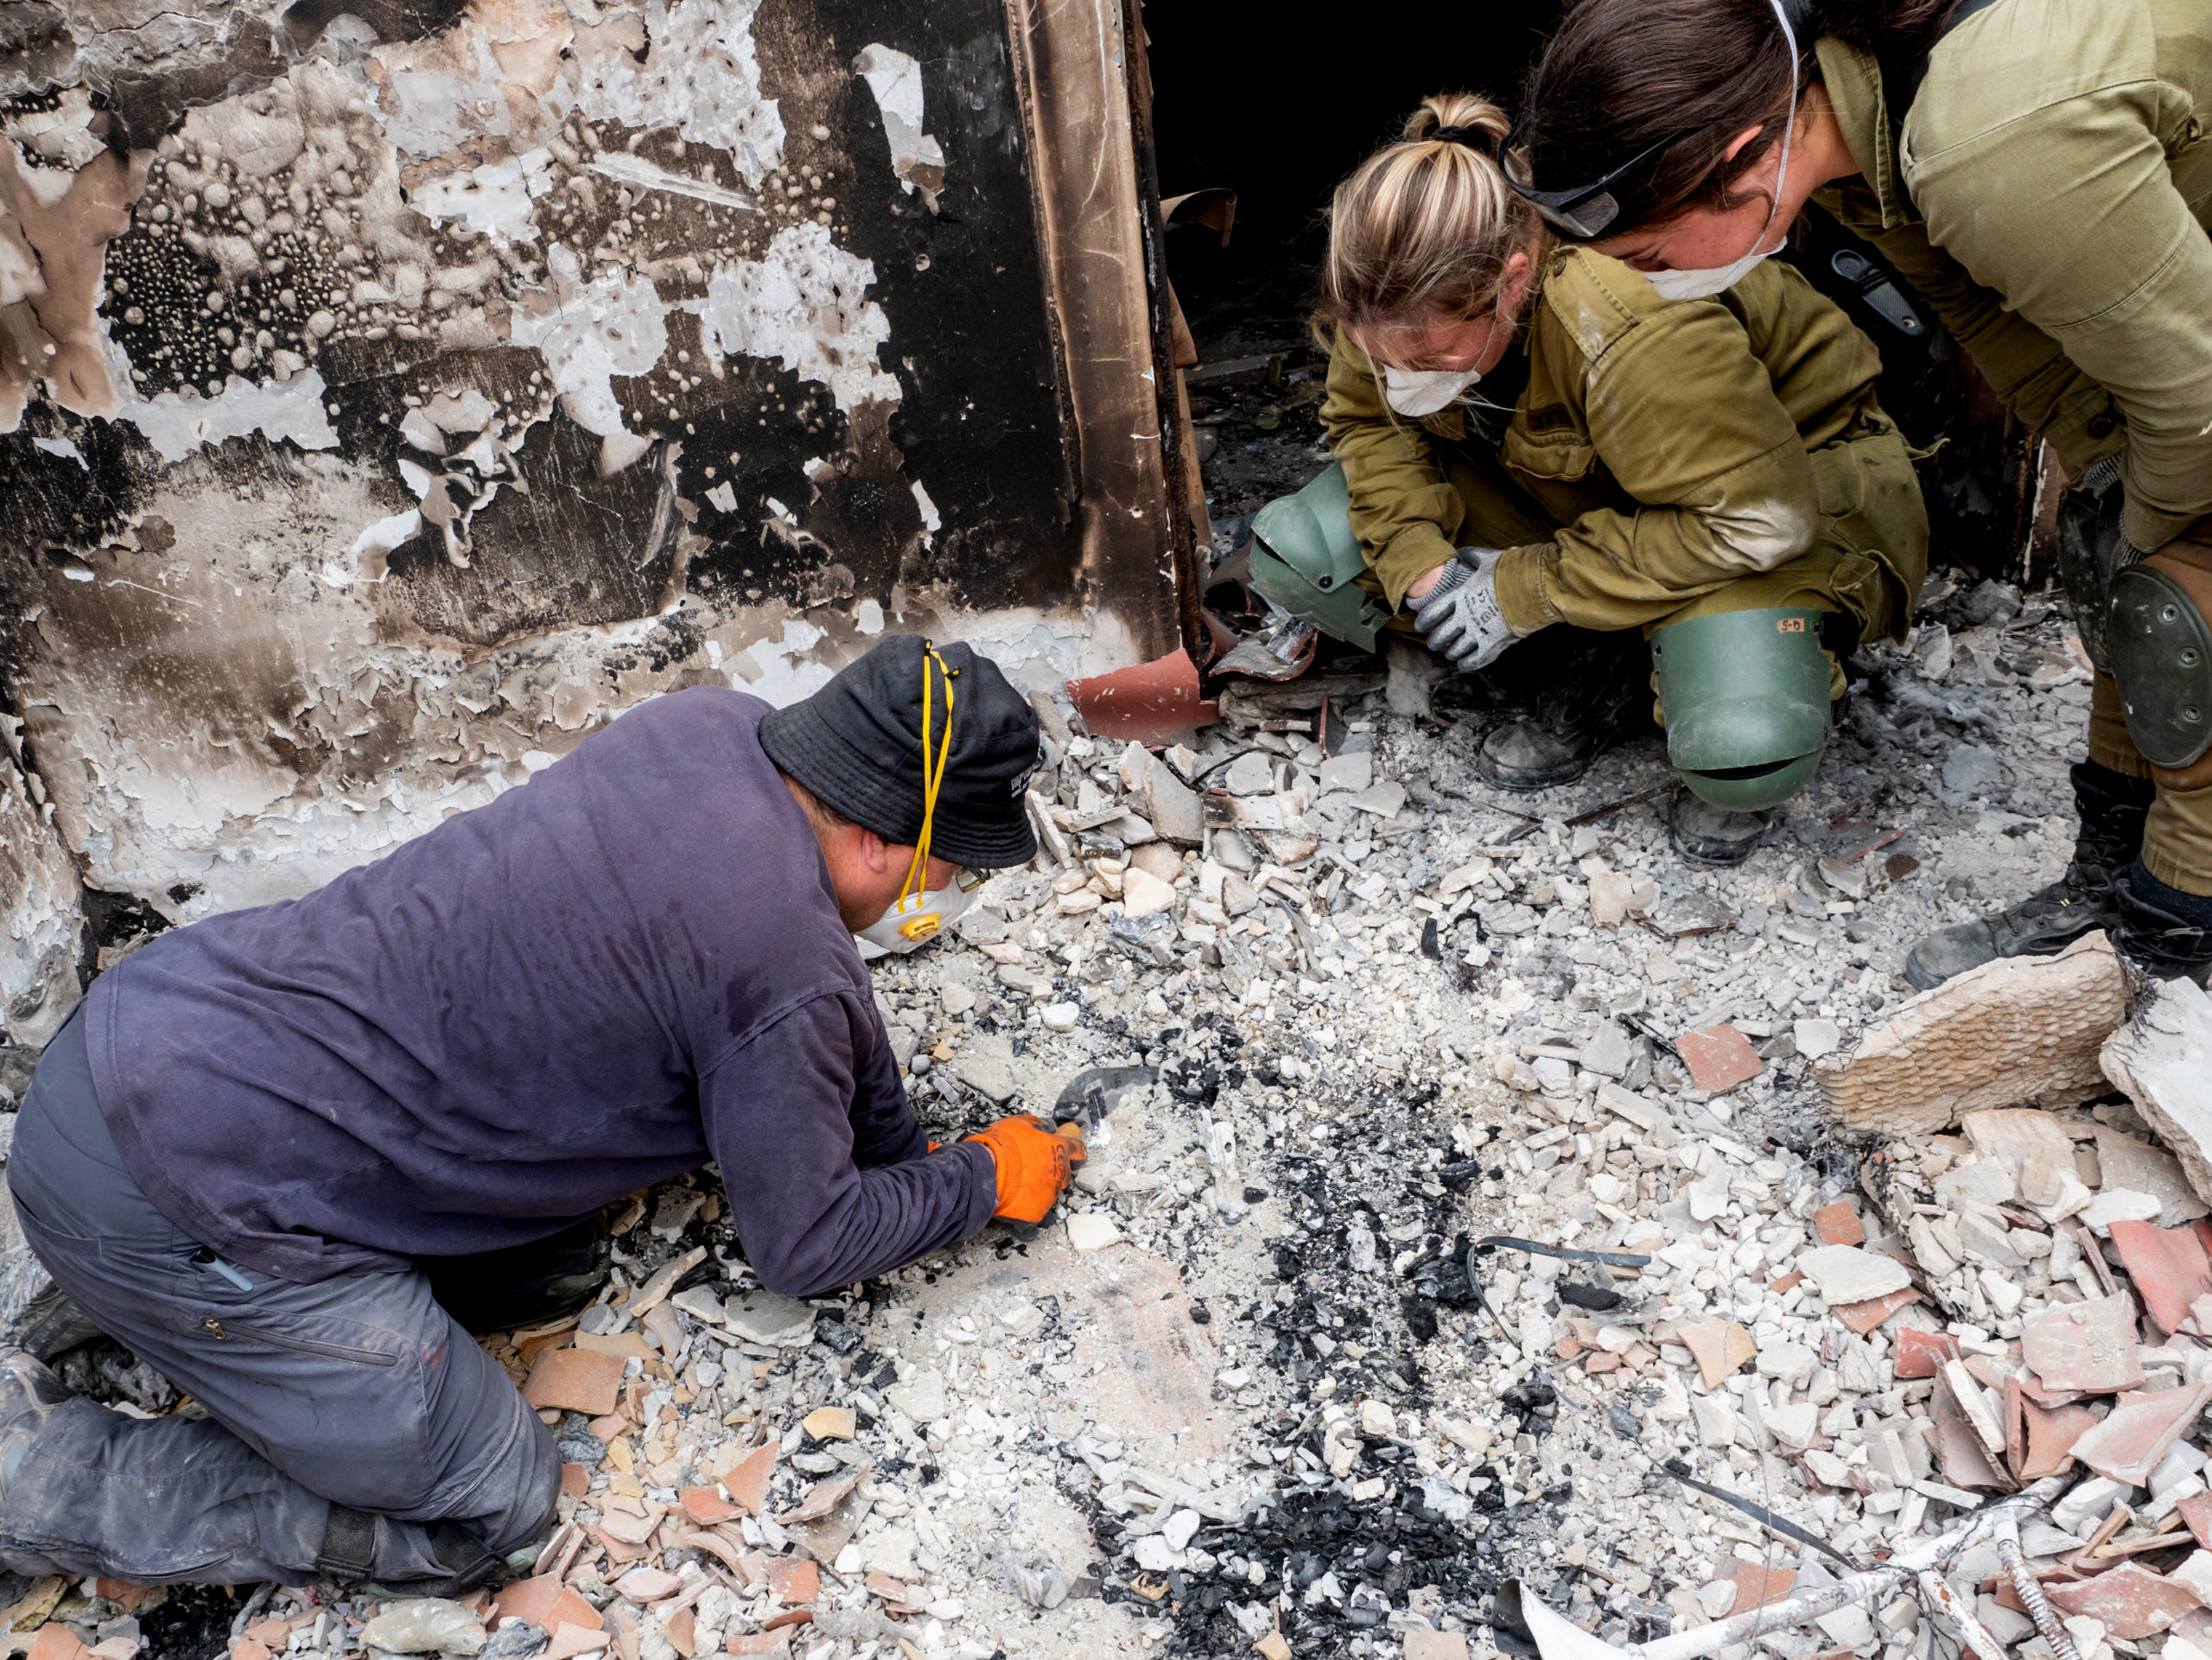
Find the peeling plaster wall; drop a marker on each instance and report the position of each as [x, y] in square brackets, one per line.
[392, 392]
[39, 920]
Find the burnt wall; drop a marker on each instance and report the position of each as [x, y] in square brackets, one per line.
[392, 390]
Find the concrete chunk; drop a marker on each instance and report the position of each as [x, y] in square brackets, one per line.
[2162, 1060]
[2018, 1029]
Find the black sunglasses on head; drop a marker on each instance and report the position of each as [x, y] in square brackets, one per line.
[1586, 211]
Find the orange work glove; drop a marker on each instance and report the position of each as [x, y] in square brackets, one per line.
[1035, 1164]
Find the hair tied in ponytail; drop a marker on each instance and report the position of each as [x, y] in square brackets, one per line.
[1478, 139]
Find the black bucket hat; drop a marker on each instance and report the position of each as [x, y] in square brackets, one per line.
[857, 744]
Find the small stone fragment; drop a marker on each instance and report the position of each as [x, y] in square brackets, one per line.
[425, 1625]
[1092, 1231]
[830, 1424]
[1847, 1273]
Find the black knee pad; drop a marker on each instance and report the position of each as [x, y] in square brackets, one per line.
[2161, 649]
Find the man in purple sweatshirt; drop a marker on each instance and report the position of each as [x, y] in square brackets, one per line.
[236, 1157]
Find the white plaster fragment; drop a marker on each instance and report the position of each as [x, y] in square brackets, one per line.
[370, 547]
[589, 333]
[896, 81]
[702, 77]
[723, 496]
[805, 305]
[931, 521]
[64, 448]
[178, 424]
[495, 197]
[868, 617]
[641, 174]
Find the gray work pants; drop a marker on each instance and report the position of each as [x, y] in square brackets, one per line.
[358, 1394]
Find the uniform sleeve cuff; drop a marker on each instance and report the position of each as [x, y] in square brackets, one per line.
[1410, 554]
[1521, 595]
[2151, 532]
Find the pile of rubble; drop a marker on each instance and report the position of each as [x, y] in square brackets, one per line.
[1487, 1217]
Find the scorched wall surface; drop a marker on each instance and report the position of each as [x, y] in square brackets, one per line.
[390, 393]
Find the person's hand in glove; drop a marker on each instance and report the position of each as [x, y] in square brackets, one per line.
[1459, 617]
[1035, 1164]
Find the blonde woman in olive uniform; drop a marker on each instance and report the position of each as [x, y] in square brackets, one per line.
[1715, 475]
[2038, 170]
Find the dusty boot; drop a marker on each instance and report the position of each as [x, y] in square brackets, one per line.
[27, 1389]
[1595, 690]
[2112, 806]
[2163, 931]
[1706, 835]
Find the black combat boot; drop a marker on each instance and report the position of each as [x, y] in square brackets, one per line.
[1592, 690]
[1706, 835]
[2112, 806]
[2154, 935]
[27, 1391]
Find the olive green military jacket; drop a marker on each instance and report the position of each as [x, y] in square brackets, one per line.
[2051, 205]
[1659, 452]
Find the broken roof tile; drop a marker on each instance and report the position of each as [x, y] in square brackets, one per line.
[2132, 1601]
[2088, 1346]
[2170, 1267]
[2135, 1435]
[1719, 1058]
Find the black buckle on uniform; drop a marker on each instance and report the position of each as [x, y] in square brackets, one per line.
[349, 1544]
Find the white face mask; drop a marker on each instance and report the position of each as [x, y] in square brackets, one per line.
[1704, 282]
[920, 917]
[1424, 391]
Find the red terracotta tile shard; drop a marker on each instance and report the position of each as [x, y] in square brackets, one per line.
[1864, 1317]
[747, 1484]
[1922, 1354]
[1720, 1348]
[793, 1581]
[758, 1643]
[2133, 1602]
[545, 1602]
[2134, 1437]
[575, 1480]
[2088, 1347]
[706, 1506]
[1755, 1586]
[2196, 1513]
[575, 1380]
[1718, 1057]
[2051, 1435]
[2169, 1266]
[1155, 702]
[1838, 1225]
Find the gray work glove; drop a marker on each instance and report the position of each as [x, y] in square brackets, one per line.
[1460, 619]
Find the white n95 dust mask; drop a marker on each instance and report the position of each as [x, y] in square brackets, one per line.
[1417, 392]
[919, 916]
[1703, 283]
[1424, 391]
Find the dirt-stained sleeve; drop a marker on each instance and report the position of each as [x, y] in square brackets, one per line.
[1682, 415]
[1405, 512]
[780, 1117]
[2074, 217]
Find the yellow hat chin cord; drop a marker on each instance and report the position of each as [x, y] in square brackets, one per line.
[916, 883]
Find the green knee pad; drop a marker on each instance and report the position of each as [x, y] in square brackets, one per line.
[1746, 697]
[1305, 558]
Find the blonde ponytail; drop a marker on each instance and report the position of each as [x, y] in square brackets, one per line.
[1420, 232]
